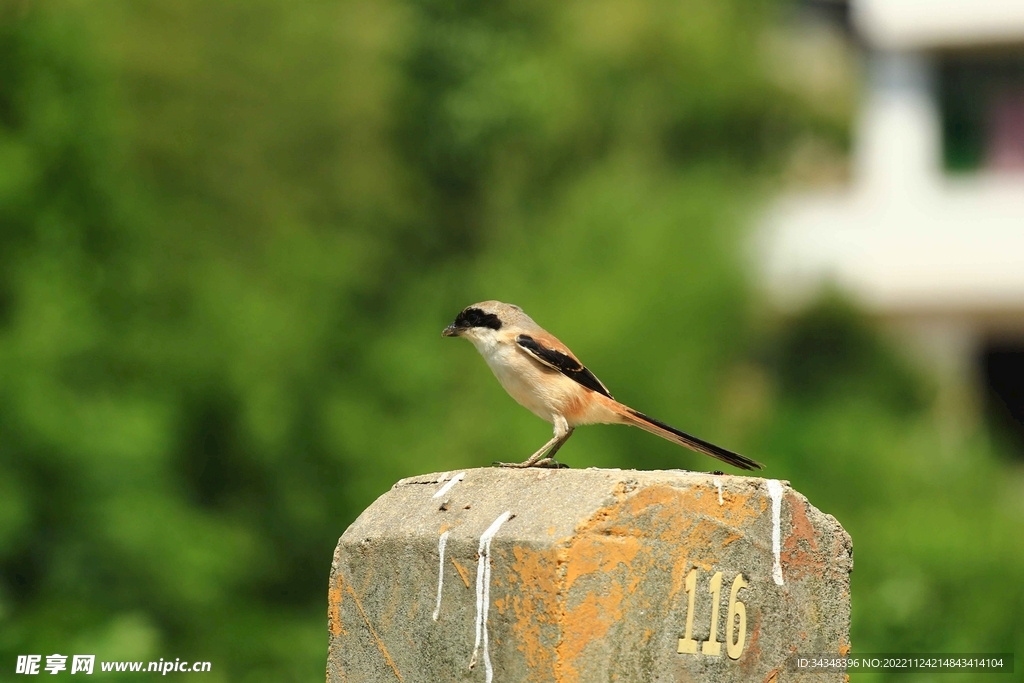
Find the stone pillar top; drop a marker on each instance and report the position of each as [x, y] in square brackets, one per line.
[587, 575]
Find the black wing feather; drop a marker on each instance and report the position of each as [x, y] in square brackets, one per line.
[567, 365]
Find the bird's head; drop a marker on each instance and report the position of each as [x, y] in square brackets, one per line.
[483, 320]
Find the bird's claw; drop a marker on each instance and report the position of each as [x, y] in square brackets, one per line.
[549, 463]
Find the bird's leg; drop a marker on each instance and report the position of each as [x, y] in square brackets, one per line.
[549, 458]
[544, 457]
[532, 460]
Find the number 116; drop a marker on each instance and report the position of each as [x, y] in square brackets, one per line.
[737, 613]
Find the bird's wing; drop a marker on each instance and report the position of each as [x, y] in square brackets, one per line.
[548, 351]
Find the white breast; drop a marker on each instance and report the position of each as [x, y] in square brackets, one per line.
[542, 391]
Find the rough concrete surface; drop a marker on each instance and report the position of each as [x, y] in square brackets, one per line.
[587, 575]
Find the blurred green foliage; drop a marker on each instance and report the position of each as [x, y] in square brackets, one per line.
[231, 232]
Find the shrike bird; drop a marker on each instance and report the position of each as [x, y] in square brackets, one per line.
[544, 376]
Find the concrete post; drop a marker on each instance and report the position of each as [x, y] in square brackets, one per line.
[587, 575]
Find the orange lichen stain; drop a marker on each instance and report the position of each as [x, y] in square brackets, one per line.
[622, 490]
[534, 570]
[636, 534]
[711, 526]
[444, 527]
[534, 602]
[657, 508]
[463, 573]
[598, 553]
[500, 604]
[609, 555]
[334, 596]
[798, 558]
[680, 568]
[587, 623]
[654, 512]
[552, 530]
[844, 649]
[528, 635]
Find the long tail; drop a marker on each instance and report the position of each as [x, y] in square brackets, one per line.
[649, 424]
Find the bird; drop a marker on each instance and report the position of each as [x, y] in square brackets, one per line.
[546, 378]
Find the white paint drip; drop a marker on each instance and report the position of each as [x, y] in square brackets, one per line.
[775, 491]
[483, 592]
[448, 487]
[718, 485]
[441, 543]
[443, 478]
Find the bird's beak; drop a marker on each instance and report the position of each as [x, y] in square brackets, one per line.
[450, 331]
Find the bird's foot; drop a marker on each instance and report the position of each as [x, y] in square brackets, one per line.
[550, 463]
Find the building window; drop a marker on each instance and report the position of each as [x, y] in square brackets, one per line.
[982, 102]
[1003, 371]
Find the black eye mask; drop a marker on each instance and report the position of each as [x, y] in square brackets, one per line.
[474, 317]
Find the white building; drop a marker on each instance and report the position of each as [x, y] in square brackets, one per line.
[929, 233]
